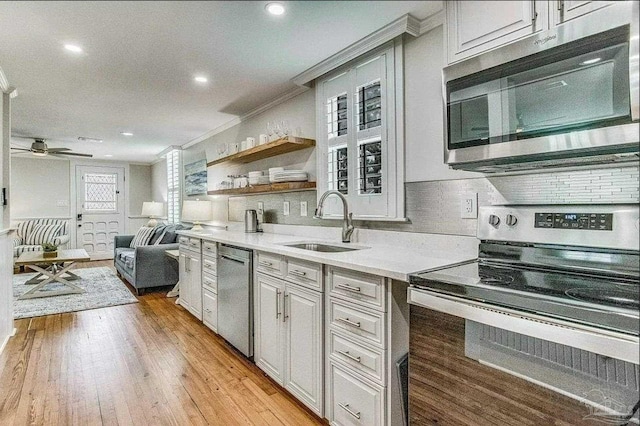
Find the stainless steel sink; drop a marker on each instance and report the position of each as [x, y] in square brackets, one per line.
[325, 248]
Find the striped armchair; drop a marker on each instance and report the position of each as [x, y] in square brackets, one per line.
[25, 240]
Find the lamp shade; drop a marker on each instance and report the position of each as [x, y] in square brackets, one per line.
[197, 211]
[152, 209]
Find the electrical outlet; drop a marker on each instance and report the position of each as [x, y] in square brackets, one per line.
[469, 205]
[303, 208]
[260, 205]
[286, 208]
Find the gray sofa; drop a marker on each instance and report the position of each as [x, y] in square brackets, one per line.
[147, 266]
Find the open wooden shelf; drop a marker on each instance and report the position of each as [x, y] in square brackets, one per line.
[277, 147]
[274, 187]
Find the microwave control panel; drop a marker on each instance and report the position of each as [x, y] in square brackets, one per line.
[592, 221]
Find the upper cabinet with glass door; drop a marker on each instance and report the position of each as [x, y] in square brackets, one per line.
[358, 150]
[474, 27]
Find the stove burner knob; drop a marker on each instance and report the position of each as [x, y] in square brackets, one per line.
[511, 220]
[494, 220]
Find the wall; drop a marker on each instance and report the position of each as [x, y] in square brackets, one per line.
[159, 182]
[39, 186]
[433, 191]
[6, 237]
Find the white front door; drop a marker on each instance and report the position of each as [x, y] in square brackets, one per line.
[100, 208]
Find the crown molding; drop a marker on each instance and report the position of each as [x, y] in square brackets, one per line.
[405, 24]
[432, 22]
[259, 110]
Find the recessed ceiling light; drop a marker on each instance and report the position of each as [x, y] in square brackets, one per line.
[126, 133]
[108, 155]
[590, 61]
[275, 8]
[73, 48]
[200, 79]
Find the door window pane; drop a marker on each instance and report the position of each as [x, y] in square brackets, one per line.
[100, 192]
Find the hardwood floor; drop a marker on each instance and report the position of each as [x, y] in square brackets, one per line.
[148, 363]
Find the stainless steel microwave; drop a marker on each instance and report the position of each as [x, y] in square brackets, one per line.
[561, 97]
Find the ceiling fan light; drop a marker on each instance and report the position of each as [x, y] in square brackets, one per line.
[39, 154]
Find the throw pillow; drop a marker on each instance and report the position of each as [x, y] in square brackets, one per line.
[157, 235]
[142, 237]
[41, 234]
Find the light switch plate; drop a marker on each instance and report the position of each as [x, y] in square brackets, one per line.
[286, 208]
[469, 205]
[303, 208]
[260, 205]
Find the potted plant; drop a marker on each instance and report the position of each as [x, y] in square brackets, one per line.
[49, 250]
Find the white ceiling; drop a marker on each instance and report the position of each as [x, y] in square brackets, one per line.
[136, 72]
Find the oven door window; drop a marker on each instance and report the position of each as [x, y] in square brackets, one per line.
[576, 86]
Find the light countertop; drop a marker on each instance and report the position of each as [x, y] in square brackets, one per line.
[383, 260]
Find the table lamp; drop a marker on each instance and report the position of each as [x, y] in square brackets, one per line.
[197, 211]
[152, 210]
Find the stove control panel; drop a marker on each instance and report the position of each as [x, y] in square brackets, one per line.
[591, 221]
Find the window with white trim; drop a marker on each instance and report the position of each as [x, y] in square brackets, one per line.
[173, 186]
[360, 135]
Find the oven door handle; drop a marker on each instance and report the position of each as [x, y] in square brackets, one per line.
[604, 342]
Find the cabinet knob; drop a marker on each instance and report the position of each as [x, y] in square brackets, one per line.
[494, 220]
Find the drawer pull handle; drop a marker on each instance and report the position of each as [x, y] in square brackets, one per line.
[298, 273]
[346, 408]
[208, 311]
[267, 264]
[348, 287]
[348, 355]
[349, 322]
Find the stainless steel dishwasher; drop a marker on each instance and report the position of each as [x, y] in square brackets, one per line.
[235, 297]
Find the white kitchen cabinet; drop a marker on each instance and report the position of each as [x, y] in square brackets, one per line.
[303, 319]
[289, 338]
[210, 309]
[360, 136]
[191, 282]
[473, 27]
[566, 10]
[269, 332]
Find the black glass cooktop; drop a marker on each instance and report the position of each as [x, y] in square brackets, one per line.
[598, 301]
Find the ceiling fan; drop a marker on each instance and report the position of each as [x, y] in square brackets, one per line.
[39, 148]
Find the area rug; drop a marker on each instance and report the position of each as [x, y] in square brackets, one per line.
[102, 288]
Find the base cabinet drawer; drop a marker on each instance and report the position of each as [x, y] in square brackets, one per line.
[357, 321]
[270, 264]
[209, 265]
[301, 272]
[367, 361]
[209, 249]
[357, 287]
[210, 282]
[353, 401]
[210, 310]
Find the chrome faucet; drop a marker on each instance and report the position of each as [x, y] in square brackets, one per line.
[347, 220]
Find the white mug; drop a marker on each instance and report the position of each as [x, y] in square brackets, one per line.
[263, 139]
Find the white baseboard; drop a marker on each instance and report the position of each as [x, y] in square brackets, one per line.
[6, 340]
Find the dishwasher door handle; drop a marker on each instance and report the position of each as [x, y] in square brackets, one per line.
[233, 259]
